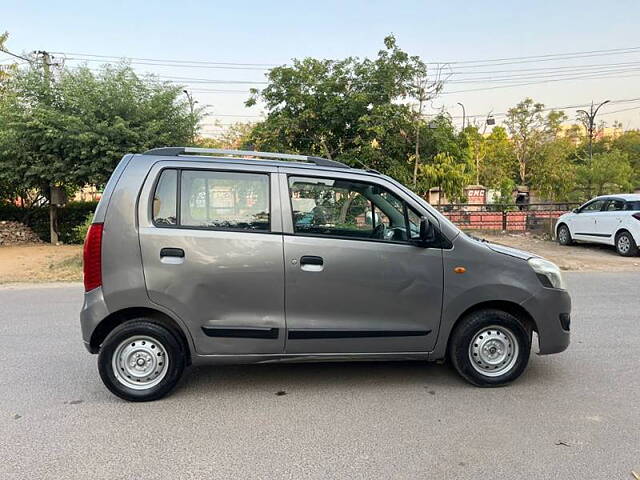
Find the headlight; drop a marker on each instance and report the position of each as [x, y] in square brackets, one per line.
[548, 271]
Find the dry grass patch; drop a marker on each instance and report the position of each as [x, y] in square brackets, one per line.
[40, 263]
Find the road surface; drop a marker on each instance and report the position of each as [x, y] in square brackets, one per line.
[571, 416]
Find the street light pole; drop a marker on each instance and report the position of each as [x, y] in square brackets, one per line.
[588, 119]
[464, 115]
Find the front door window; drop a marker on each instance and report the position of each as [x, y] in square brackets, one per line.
[350, 209]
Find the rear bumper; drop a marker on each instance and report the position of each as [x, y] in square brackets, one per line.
[94, 310]
[551, 310]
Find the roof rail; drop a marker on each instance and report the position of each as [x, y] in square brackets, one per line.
[176, 151]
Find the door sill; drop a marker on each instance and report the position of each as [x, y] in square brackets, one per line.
[307, 357]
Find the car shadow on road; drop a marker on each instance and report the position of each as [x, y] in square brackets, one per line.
[328, 375]
[340, 377]
[597, 247]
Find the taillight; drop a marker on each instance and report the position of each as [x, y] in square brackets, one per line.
[636, 216]
[92, 256]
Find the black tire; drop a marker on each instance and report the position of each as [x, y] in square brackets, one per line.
[168, 346]
[509, 330]
[626, 245]
[564, 235]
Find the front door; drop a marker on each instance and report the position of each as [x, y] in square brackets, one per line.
[354, 281]
[212, 254]
[583, 225]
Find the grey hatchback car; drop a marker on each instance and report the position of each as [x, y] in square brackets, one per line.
[222, 256]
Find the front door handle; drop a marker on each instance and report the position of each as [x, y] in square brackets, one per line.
[311, 260]
[172, 252]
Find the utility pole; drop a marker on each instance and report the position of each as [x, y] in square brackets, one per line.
[54, 190]
[423, 95]
[192, 103]
[588, 119]
[464, 115]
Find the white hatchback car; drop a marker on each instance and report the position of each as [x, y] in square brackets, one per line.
[610, 219]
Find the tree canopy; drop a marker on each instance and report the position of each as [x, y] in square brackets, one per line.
[70, 127]
[72, 130]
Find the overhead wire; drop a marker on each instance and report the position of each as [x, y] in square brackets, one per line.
[462, 72]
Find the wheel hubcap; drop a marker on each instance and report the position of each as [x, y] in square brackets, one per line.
[493, 351]
[140, 362]
[624, 244]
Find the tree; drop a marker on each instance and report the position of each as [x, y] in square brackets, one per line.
[6, 71]
[353, 110]
[629, 143]
[530, 130]
[608, 172]
[423, 90]
[500, 164]
[449, 175]
[237, 136]
[73, 131]
[477, 146]
[552, 170]
[523, 121]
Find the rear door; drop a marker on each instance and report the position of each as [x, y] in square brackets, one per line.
[354, 281]
[211, 244]
[610, 219]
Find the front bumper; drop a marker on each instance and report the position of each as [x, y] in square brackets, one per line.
[551, 310]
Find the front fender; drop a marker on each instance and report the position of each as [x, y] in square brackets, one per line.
[491, 295]
[489, 277]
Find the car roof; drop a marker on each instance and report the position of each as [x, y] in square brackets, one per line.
[622, 196]
[267, 163]
[243, 157]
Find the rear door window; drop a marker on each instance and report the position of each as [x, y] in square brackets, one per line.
[634, 205]
[210, 199]
[164, 199]
[224, 200]
[614, 206]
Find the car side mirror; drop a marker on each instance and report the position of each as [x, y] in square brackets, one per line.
[576, 210]
[427, 233]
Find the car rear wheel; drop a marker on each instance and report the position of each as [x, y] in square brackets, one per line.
[564, 235]
[626, 245]
[141, 361]
[490, 348]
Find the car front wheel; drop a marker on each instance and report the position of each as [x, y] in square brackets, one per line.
[490, 348]
[626, 245]
[141, 361]
[564, 235]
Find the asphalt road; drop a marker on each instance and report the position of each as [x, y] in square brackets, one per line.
[571, 416]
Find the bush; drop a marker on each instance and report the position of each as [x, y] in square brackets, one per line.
[70, 216]
[79, 232]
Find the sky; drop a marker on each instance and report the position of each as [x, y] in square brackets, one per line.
[272, 33]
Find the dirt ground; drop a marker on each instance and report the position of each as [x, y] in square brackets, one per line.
[580, 257]
[63, 263]
[40, 263]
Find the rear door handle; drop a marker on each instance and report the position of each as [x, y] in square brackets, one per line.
[172, 252]
[311, 263]
[311, 260]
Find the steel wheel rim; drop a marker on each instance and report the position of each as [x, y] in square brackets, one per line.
[624, 244]
[140, 362]
[493, 351]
